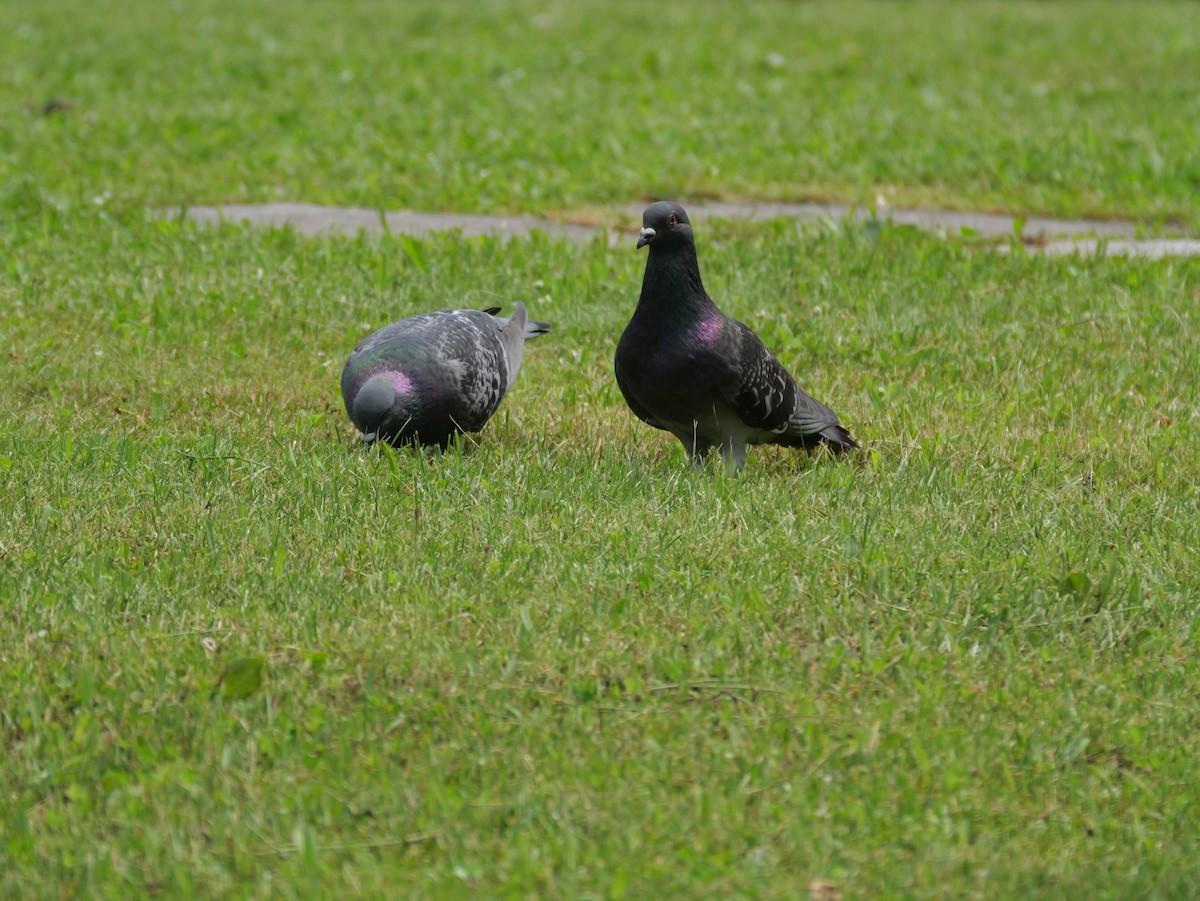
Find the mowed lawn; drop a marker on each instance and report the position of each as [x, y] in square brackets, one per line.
[242, 656]
[1061, 108]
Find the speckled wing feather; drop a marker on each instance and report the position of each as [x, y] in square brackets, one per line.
[471, 349]
[762, 393]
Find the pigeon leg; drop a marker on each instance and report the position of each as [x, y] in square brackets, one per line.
[734, 452]
[696, 447]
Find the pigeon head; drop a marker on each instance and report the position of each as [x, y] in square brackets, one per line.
[665, 224]
[386, 408]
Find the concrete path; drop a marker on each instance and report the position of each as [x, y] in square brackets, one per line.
[988, 225]
[308, 219]
[1151, 249]
[1116, 238]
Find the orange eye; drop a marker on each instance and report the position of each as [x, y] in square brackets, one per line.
[671, 219]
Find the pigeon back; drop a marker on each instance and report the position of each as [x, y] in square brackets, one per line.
[426, 378]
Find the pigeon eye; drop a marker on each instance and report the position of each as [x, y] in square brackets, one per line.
[671, 220]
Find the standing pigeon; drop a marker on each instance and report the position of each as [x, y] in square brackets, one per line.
[426, 378]
[687, 368]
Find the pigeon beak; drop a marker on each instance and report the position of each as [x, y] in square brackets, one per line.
[646, 236]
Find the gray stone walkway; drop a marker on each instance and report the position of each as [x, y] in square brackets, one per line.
[1084, 236]
[308, 219]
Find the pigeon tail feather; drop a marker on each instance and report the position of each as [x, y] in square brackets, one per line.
[514, 330]
[834, 437]
[838, 439]
[535, 327]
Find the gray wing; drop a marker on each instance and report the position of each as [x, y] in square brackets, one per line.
[761, 392]
[470, 349]
[765, 396]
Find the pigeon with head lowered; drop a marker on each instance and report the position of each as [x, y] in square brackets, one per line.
[426, 378]
[686, 367]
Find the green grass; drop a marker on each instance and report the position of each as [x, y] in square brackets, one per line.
[557, 661]
[1061, 108]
